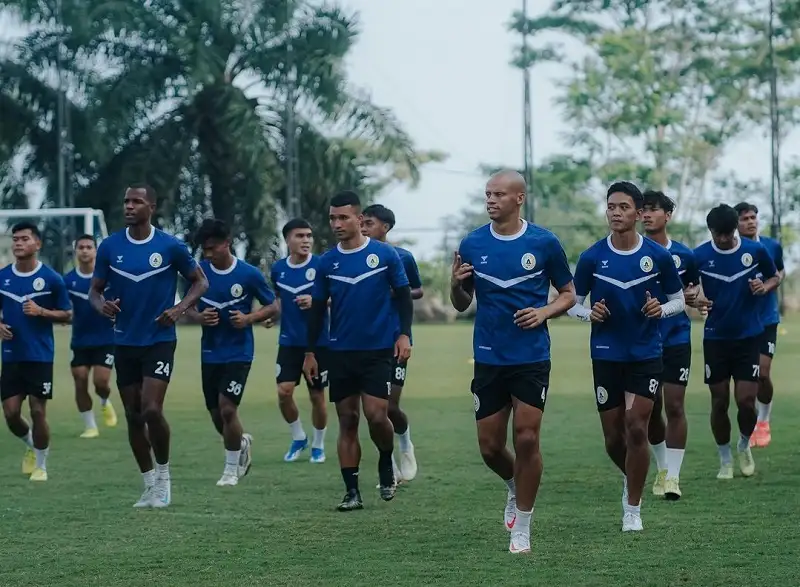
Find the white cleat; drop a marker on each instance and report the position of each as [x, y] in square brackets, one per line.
[510, 514]
[146, 500]
[631, 522]
[408, 464]
[245, 457]
[520, 543]
[162, 493]
[746, 462]
[725, 471]
[228, 480]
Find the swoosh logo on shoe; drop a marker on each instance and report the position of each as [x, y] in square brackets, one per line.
[513, 521]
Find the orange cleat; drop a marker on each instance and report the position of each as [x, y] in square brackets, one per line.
[761, 435]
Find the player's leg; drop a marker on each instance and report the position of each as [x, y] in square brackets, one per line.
[746, 354]
[12, 395]
[210, 380]
[376, 380]
[348, 447]
[41, 433]
[610, 401]
[101, 379]
[657, 436]
[80, 376]
[288, 372]
[677, 365]
[407, 466]
[319, 410]
[637, 457]
[762, 435]
[237, 442]
[717, 377]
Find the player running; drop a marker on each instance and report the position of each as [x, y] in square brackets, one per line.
[668, 443]
[32, 298]
[770, 316]
[293, 278]
[226, 314]
[358, 276]
[509, 265]
[378, 221]
[733, 272]
[92, 341]
[141, 264]
[626, 275]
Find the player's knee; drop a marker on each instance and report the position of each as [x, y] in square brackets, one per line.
[490, 445]
[227, 412]
[635, 433]
[285, 392]
[674, 410]
[348, 421]
[12, 413]
[151, 412]
[526, 440]
[134, 418]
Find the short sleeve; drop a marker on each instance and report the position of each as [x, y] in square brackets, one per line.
[60, 294]
[556, 264]
[778, 257]
[765, 264]
[691, 275]
[320, 289]
[584, 274]
[670, 280]
[397, 273]
[101, 263]
[182, 259]
[273, 275]
[412, 271]
[261, 289]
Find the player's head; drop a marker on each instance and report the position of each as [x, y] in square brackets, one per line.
[505, 194]
[345, 215]
[214, 239]
[140, 204]
[656, 211]
[85, 248]
[378, 221]
[748, 219]
[299, 236]
[26, 239]
[722, 222]
[624, 202]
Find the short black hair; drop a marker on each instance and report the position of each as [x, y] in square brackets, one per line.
[346, 198]
[380, 212]
[743, 207]
[85, 237]
[25, 225]
[148, 190]
[294, 224]
[657, 199]
[211, 228]
[628, 188]
[722, 219]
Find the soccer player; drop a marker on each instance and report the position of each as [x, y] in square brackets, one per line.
[668, 443]
[770, 316]
[32, 298]
[358, 276]
[378, 221]
[734, 272]
[226, 314]
[92, 341]
[509, 266]
[293, 278]
[141, 264]
[626, 275]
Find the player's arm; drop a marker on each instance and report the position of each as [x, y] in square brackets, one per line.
[462, 282]
[414, 279]
[672, 286]
[62, 313]
[691, 281]
[768, 271]
[583, 286]
[108, 308]
[266, 297]
[319, 306]
[557, 268]
[781, 268]
[191, 272]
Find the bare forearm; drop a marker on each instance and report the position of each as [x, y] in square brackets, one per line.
[772, 283]
[263, 313]
[416, 294]
[560, 305]
[193, 314]
[197, 289]
[58, 316]
[96, 300]
[459, 298]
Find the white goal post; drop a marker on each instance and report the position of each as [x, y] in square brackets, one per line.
[89, 215]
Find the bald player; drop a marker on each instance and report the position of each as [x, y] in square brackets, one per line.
[509, 266]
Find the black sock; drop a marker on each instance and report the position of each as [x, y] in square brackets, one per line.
[385, 469]
[350, 476]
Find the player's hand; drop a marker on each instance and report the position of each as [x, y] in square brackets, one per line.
[209, 317]
[402, 348]
[690, 294]
[31, 308]
[703, 305]
[268, 323]
[460, 271]
[5, 332]
[111, 308]
[529, 318]
[757, 287]
[170, 316]
[303, 302]
[652, 307]
[599, 312]
[238, 319]
[310, 367]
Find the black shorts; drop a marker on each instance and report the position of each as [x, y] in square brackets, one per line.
[228, 379]
[289, 366]
[93, 356]
[732, 359]
[493, 386]
[399, 370]
[360, 372]
[677, 363]
[26, 378]
[134, 363]
[612, 379]
[769, 339]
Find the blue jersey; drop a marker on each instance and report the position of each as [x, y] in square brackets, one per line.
[412, 273]
[359, 284]
[89, 328]
[291, 281]
[770, 308]
[623, 279]
[144, 276]
[32, 336]
[234, 288]
[735, 313]
[512, 273]
[677, 330]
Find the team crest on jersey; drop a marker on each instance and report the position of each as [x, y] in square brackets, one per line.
[311, 273]
[747, 259]
[646, 263]
[372, 261]
[155, 260]
[236, 290]
[38, 284]
[677, 261]
[602, 395]
[528, 261]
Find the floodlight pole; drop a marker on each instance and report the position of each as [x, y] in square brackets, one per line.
[530, 202]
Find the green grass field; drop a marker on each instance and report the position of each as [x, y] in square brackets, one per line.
[279, 527]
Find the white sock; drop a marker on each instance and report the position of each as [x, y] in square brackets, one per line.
[28, 438]
[625, 488]
[660, 454]
[297, 430]
[232, 460]
[512, 488]
[764, 411]
[634, 509]
[523, 523]
[104, 401]
[319, 439]
[404, 440]
[88, 420]
[149, 478]
[674, 462]
[725, 456]
[744, 442]
[41, 458]
[162, 471]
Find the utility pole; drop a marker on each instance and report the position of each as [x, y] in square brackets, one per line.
[776, 197]
[530, 202]
[292, 163]
[61, 137]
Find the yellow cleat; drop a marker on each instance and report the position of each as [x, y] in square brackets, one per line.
[39, 475]
[658, 484]
[109, 415]
[90, 433]
[28, 462]
[672, 490]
